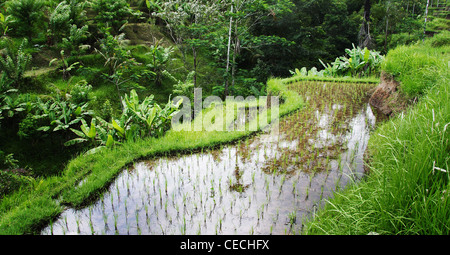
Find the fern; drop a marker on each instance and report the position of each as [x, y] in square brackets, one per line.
[14, 63]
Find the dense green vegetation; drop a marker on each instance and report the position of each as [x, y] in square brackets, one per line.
[406, 191]
[32, 206]
[86, 88]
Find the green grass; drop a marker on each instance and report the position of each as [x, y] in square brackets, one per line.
[418, 66]
[402, 194]
[30, 208]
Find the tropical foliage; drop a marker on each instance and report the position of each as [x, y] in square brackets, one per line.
[138, 120]
[14, 63]
[356, 63]
[26, 16]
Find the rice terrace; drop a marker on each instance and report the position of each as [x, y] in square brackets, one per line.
[263, 185]
[239, 117]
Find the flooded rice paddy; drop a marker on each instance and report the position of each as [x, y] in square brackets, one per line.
[268, 184]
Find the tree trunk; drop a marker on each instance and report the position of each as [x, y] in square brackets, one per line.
[235, 53]
[194, 53]
[228, 52]
[387, 26]
[386, 34]
[365, 40]
[426, 18]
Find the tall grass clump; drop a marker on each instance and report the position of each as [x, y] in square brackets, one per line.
[407, 189]
[418, 67]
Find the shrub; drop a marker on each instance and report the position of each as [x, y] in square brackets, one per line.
[60, 21]
[112, 13]
[7, 161]
[28, 127]
[73, 42]
[15, 63]
[159, 59]
[138, 120]
[80, 93]
[77, 11]
[26, 16]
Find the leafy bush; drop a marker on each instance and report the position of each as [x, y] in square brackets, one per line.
[12, 104]
[113, 50]
[77, 12]
[138, 120]
[360, 62]
[59, 21]
[26, 16]
[118, 59]
[185, 88]
[14, 63]
[160, 57]
[7, 161]
[80, 93]
[112, 13]
[28, 127]
[73, 43]
[57, 114]
[11, 177]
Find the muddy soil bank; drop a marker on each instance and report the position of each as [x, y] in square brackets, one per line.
[388, 98]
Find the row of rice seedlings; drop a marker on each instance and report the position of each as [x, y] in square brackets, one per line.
[200, 202]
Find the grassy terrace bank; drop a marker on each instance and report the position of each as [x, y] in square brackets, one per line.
[407, 190]
[86, 176]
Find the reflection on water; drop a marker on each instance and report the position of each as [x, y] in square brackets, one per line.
[266, 185]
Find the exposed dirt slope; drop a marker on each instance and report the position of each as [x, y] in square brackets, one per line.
[387, 96]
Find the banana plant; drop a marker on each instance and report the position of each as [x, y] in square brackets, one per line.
[94, 134]
[4, 20]
[87, 133]
[330, 70]
[45, 111]
[144, 112]
[165, 116]
[69, 115]
[66, 68]
[11, 105]
[126, 130]
[357, 59]
[59, 114]
[358, 62]
[138, 120]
